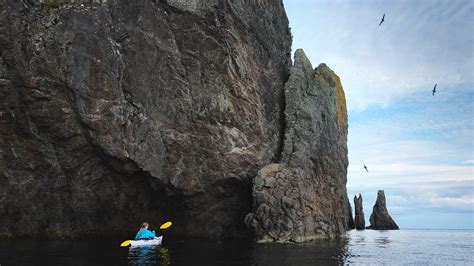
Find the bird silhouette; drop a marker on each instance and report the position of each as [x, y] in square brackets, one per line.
[365, 167]
[434, 89]
[383, 19]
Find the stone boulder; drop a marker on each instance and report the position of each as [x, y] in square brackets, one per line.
[380, 219]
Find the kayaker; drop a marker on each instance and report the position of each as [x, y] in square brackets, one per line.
[144, 233]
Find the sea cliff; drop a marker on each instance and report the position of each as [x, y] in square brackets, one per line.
[117, 112]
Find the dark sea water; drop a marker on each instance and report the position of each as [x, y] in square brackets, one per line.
[417, 247]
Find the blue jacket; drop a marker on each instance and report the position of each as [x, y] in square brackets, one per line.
[144, 234]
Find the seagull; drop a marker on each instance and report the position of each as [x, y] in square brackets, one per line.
[365, 167]
[383, 19]
[434, 89]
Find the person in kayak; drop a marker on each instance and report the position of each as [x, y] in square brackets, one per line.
[144, 233]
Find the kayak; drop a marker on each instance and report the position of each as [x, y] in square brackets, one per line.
[147, 242]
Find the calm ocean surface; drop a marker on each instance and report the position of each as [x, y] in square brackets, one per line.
[420, 247]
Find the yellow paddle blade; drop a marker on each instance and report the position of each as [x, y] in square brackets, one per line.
[125, 243]
[166, 225]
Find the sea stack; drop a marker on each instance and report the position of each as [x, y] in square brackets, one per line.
[359, 218]
[304, 196]
[380, 219]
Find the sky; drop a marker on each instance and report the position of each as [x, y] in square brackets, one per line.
[419, 148]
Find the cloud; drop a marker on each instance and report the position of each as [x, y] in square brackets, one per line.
[413, 173]
[418, 148]
[414, 133]
[420, 197]
[422, 161]
[454, 195]
[420, 43]
[372, 84]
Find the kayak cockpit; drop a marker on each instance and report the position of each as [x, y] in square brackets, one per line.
[147, 242]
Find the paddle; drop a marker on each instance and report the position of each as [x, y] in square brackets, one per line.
[166, 225]
[163, 226]
[125, 243]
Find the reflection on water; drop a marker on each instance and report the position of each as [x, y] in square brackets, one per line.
[342, 252]
[145, 255]
[208, 252]
[164, 255]
[359, 239]
[324, 252]
[382, 241]
[142, 255]
[359, 247]
[429, 247]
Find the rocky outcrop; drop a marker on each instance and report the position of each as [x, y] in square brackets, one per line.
[359, 219]
[115, 112]
[304, 196]
[380, 219]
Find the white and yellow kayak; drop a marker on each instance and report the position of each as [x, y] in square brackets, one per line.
[149, 242]
[146, 242]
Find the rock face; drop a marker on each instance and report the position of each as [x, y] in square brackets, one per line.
[117, 112]
[380, 219]
[359, 219]
[304, 196]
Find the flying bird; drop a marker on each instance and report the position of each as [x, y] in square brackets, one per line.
[434, 89]
[383, 19]
[365, 167]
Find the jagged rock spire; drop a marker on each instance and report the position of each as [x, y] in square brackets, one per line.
[380, 219]
[359, 219]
